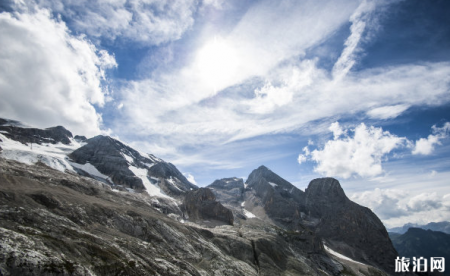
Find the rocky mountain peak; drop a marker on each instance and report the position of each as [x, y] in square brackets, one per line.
[228, 183]
[325, 189]
[16, 131]
[126, 166]
[263, 176]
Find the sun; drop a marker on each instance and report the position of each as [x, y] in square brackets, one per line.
[217, 63]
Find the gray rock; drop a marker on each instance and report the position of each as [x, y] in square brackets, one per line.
[201, 205]
[52, 135]
[349, 228]
[108, 156]
[282, 201]
[55, 223]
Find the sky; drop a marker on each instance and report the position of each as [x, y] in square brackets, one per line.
[358, 90]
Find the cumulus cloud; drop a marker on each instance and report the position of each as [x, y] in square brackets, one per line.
[383, 202]
[424, 202]
[395, 205]
[360, 154]
[48, 76]
[425, 146]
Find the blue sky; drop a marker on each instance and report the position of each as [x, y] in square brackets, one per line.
[356, 90]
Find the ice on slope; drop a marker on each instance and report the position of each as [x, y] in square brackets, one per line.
[53, 155]
[90, 169]
[339, 255]
[249, 214]
[152, 190]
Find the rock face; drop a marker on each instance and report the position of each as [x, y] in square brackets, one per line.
[52, 135]
[281, 201]
[323, 209]
[201, 205]
[113, 159]
[229, 190]
[56, 223]
[348, 227]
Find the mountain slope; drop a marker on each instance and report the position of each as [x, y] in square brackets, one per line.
[102, 158]
[348, 227]
[127, 167]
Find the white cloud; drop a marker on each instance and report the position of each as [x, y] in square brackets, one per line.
[150, 22]
[273, 88]
[387, 112]
[337, 130]
[48, 76]
[396, 207]
[360, 155]
[383, 202]
[425, 146]
[349, 54]
[190, 178]
[424, 202]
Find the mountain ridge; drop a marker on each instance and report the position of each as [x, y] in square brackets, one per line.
[274, 227]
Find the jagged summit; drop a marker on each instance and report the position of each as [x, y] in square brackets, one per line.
[263, 175]
[126, 166]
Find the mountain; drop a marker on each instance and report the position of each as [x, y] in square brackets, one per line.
[323, 210]
[102, 158]
[76, 206]
[124, 166]
[417, 242]
[443, 226]
[348, 228]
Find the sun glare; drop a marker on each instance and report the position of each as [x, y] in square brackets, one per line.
[217, 63]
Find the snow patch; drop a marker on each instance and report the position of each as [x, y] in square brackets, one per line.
[152, 190]
[128, 158]
[243, 204]
[339, 255]
[90, 169]
[249, 214]
[273, 184]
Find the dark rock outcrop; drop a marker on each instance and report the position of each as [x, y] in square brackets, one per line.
[282, 201]
[80, 138]
[113, 158]
[175, 183]
[106, 154]
[229, 190]
[52, 135]
[349, 228]
[201, 205]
